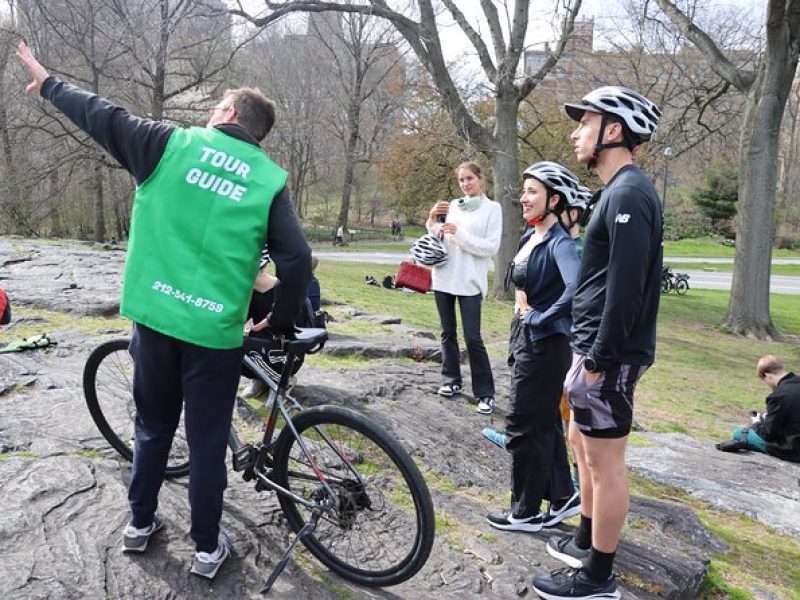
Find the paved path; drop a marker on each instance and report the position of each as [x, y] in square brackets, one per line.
[781, 284]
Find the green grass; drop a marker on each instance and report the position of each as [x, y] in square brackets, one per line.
[788, 270]
[758, 557]
[46, 321]
[712, 247]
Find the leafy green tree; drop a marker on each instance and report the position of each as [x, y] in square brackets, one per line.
[718, 197]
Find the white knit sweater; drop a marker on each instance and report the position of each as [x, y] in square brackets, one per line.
[470, 250]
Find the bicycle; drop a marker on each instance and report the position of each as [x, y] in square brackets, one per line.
[347, 488]
[674, 281]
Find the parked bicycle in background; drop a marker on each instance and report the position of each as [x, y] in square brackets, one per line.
[670, 280]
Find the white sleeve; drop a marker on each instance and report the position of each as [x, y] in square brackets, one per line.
[483, 246]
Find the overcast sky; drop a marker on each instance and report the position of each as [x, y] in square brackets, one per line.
[543, 28]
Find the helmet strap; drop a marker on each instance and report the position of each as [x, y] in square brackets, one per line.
[599, 145]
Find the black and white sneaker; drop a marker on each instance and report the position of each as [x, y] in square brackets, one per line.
[449, 389]
[508, 522]
[485, 405]
[571, 584]
[563, 548]
[556, 514]
[135, 540]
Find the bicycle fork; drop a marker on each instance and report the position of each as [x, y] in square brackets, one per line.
[305, 530]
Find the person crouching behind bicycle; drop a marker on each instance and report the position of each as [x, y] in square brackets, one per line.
[544, 273]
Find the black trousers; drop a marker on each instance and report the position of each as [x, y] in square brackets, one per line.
[479, 365]
[539, 464]
[170, 374]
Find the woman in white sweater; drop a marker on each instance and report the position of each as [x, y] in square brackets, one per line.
[471, 228]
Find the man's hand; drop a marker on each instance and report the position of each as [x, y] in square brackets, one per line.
[35, 69]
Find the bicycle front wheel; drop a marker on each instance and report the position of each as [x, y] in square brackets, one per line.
[380, 530]
[108, 389]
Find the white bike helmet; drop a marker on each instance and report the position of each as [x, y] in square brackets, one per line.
[429, 250]
[556, 178]
[582, 198]
[639, 115]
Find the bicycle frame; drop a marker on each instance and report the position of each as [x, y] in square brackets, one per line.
[277, 396]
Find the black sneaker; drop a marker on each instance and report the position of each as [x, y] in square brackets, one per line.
[568, 584]
[509, 522]
[563, 548]
[570, 508]
[135, 540]
[449, 389]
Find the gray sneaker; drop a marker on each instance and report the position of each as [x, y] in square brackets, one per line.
[207, 564]
[135, 540]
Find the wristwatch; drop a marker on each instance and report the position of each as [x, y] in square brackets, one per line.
[591, 366]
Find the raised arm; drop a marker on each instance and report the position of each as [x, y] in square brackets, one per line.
[136, 143]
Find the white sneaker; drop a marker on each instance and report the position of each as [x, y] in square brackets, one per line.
[257, 389]
[485, 405]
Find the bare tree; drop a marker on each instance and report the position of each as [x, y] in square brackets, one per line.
[767, 88]
[499, 58]
[362, 54]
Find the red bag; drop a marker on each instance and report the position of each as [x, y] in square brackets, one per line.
[413, 276]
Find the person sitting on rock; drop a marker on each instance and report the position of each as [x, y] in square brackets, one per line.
[777, 430]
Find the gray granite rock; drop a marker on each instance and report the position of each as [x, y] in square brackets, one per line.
[758, 485]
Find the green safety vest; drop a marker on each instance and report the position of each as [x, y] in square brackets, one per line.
[199, 223]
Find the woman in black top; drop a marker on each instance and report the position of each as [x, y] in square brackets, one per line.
[544, 272]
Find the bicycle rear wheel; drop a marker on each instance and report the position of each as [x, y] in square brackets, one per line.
[108, 389]
[381, 530]
[681, 286]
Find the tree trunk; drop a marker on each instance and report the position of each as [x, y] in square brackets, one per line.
[99, 213]
[505, 169]
[748, 310]
[353, 119]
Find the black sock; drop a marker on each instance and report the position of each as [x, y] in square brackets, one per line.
[598, 567]
[583, 539]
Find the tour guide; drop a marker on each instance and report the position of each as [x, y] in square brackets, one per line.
[204, 200]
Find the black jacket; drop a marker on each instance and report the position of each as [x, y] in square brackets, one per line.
[138, 145]
[780, 426]
[619, 283]
[550, 284]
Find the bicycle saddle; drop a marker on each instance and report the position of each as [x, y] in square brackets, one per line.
[306, 340]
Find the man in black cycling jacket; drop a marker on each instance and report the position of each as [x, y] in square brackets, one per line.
[613, 335]
[203, 200]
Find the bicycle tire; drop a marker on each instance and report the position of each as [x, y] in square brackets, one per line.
[108, 389]
[681, 286]
[401, 497]
[666, 286]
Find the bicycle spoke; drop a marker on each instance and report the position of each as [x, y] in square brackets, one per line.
[374, 525]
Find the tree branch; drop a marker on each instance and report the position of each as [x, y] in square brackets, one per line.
[475, 39]
[567, 26]
[741, 79]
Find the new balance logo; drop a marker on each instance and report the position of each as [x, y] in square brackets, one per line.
[622, 218]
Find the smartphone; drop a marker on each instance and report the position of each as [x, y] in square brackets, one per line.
[441, 218]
